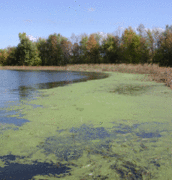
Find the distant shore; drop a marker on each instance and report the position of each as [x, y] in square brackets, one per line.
[156, 73]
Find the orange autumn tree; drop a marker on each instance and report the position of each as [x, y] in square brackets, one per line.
[93, 50]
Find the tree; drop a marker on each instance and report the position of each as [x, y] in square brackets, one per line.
[92, 47]
[27, 52]
[141, 30]
[98, 38]
[110, 47]
[3, 56]
[152, 42]
[83, 49]
[131, 46]
[56, 56]
[144, 51]
[42, 47]
[163, 54]
[75, 54]
[91, 43]
[12, 56]
[67, 51]
[74, 38]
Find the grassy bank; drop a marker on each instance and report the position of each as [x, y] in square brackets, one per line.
[156, 73]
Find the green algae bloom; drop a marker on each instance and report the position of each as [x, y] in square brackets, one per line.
[119, 127]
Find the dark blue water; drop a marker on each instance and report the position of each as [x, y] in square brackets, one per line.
[18, 85]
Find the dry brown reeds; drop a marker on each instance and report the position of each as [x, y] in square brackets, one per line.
[156, 73]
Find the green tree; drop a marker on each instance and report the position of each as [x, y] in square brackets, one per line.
[144, 51]
[27, 52]
[3, 56]
[42, 47]
[75, 54]
[110, 47]
[133, 47]
[56, 56]
[152, 42]
[12, 58]
[163, 55]
[83, 49]
[66, 47]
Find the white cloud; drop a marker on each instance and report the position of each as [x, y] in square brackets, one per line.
[102, 34]
[32, 38]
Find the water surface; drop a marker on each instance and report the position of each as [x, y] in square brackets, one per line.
[19, 85]
[118, 127]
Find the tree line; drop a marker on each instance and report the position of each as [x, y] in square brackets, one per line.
[131, 48]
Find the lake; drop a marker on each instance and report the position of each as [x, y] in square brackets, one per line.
[119, 127]
[18, 85]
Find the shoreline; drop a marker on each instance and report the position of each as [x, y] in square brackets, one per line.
[155, 73]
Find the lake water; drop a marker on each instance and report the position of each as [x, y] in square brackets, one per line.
[18, 85]
[112, 128]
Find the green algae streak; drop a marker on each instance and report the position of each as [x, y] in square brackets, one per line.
[119, 127]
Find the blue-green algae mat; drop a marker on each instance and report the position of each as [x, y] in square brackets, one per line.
[119, 127]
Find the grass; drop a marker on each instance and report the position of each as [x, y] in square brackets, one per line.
[155, 73]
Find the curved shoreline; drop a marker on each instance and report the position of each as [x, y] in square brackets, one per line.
[154, 72]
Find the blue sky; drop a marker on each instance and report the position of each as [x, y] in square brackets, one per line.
[40, 18]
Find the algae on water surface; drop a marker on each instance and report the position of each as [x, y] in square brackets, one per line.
[86, 131]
